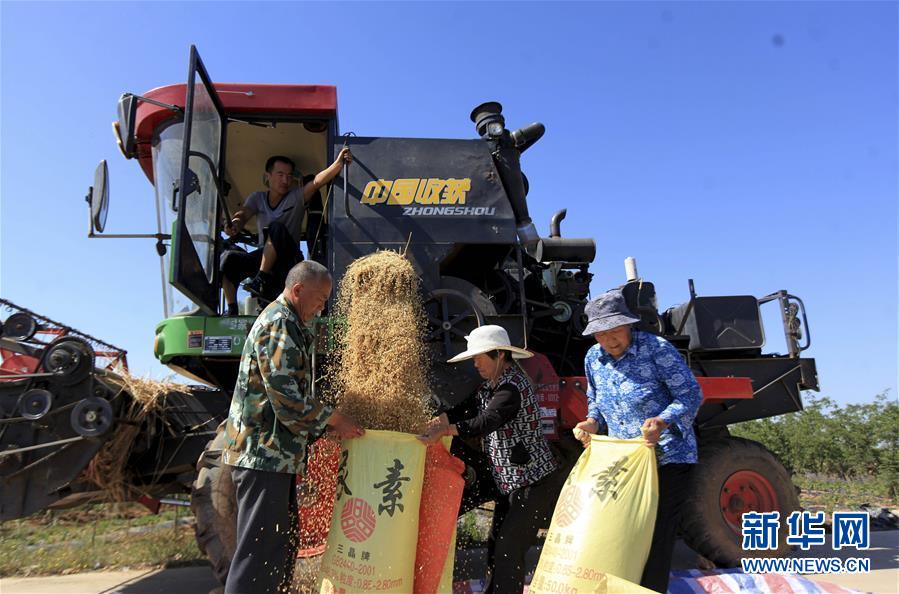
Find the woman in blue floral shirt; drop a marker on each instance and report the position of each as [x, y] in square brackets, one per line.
[638, 384]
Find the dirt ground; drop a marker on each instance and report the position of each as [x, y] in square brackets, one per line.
[883, 579]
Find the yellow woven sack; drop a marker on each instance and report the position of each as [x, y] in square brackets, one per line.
[601, 530]
[374, 531]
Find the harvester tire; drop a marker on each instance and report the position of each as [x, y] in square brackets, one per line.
[214, 503]
[734, 476]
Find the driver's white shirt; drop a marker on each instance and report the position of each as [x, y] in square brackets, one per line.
[289, 212]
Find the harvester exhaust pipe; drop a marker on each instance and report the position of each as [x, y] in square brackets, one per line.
[506, 148]
[630, 268]
[555, 223]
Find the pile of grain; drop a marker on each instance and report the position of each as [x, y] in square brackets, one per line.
[380, 371]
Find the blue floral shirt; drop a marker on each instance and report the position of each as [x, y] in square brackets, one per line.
[651, 379]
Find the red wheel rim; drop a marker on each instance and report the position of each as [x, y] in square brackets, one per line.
[746, 491]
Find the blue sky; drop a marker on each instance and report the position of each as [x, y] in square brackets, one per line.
[751, 146]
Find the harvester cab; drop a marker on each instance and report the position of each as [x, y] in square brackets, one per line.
[204, 148]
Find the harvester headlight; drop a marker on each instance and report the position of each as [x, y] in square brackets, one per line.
[488, 119]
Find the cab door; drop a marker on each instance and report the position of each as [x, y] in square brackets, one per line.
[198, 199]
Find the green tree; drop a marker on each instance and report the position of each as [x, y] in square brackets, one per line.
[885, 427]
[855, 441]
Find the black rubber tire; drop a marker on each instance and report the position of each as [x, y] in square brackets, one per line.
[703, 524]
[214, 504]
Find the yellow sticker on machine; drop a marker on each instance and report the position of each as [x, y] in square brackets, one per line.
[427, 191]
[194, 339]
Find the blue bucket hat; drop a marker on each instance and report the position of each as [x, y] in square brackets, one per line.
[608, 311]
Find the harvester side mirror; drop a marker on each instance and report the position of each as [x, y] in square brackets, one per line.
[98, 198]
[98, 205]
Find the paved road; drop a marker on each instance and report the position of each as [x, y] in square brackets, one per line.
[883, 579]
[884, 555]
[184, 580]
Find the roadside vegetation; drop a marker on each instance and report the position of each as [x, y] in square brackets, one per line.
[841, 456]
[93, 537]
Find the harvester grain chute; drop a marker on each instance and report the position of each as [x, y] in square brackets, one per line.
[459, 211]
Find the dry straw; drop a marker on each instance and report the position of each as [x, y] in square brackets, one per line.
[108, 469]
[380, 371]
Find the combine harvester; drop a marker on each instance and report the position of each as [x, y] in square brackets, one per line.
[458, 209]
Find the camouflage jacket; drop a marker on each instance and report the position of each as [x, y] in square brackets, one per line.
[273, 418]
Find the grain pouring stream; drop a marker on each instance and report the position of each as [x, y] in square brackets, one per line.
[380, 371]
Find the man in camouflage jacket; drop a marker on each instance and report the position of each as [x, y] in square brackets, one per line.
[271, 424]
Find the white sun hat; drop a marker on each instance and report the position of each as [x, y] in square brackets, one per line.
[489, 338]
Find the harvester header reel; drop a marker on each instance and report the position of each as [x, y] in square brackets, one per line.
[58, 348]
[19, 326]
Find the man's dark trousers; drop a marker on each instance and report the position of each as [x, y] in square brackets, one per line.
[267, 532]
[674, 486]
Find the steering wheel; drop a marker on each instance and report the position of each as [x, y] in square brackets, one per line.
[244, 237]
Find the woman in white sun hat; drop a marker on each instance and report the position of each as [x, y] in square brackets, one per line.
[507, 419]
